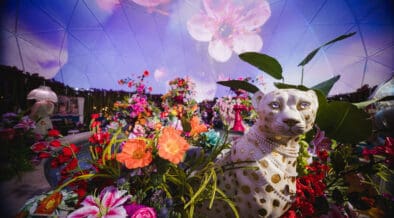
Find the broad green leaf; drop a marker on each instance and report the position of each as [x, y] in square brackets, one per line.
[239, 84]
[263, 62]
[314, 52]
[344, 122]
[290, 86]
[327, 85]
[319, 93]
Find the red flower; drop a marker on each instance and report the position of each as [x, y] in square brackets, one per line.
[146, 73]
[53, 133]
[44, 154]
[39, 146]
[150, 89]
[323, 155]
[55, 143]
[130, 84]
[101, 138]
[289, 214]
[69, 150]
[63, 158]
[70, 166]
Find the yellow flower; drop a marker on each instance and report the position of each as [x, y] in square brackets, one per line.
[171, 145]
[135, 153]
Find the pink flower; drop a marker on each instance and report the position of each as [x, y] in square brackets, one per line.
[140, 211]
[108, 204]
[229, 26]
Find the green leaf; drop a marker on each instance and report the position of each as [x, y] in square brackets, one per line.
[344, 122]
[339, 38]
[364, 104]
[290, 86]
[263, 62]
[327, 85]
[186, 126]
[309, 57]
[314, 52]
[319, 93]
[239, 84]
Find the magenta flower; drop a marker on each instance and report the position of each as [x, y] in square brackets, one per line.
[140, 211]
[26, 123]
[229, 26]
[320, 141]
[109, 205]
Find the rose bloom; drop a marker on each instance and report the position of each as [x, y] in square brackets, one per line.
[136, 211]
[135, 154]
[171, 145]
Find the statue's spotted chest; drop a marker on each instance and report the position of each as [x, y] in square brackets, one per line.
[264, 182]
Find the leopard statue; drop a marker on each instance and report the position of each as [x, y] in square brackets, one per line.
[262, 182]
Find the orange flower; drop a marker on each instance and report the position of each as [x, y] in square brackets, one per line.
[158, 126]
[135, 154]
[49, 204]
[197, 128]
[171, 145]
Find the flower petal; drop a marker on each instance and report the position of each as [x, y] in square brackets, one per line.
[84, 212]
[116, 212]
[89, 201]
[219, 51]
[256, 14]
[201, 27]
[108, 199]
[247, 43]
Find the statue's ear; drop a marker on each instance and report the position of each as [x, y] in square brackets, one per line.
[256, 99]
[315, 99]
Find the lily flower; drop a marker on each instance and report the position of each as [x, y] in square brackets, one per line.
[109, 204]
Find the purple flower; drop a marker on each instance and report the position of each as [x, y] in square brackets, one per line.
[140, 211]
[26, 123]
[109, 204]
[320, 141]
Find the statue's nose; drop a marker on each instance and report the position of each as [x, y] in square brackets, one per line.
[291, 122]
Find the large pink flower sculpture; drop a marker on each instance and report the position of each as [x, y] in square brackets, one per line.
[229, 26]
[153, 5]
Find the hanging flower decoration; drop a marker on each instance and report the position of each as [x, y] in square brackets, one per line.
[229, 26]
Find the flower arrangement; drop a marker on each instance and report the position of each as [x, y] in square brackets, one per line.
[140, 166]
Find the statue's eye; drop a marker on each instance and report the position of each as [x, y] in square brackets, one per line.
[303, 105]
[274, 105]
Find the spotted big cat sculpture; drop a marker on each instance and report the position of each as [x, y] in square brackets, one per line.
[264, 182]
